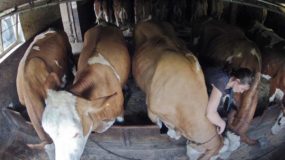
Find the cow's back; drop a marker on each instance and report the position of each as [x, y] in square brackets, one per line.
[55, 50]
[46, 65]
[109, 42]
[175, 88]
[52, 53]
[173, 92]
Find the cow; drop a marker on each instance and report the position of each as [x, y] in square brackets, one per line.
[176, 95]
[272, 49]
[220, 44]
[274, 68]
[48, 55]
[95, 99]
[102, 12]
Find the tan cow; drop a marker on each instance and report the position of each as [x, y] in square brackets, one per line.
[221, 45]
[48, 56]
[95, 99]
[175, 89]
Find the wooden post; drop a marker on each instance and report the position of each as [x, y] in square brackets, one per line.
[71, 25]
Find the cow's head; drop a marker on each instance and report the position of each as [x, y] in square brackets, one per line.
[62, 122]
[279, 124]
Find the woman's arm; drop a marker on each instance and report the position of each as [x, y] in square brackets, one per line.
[212, 113]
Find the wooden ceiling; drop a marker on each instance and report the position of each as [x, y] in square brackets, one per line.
[7, 4]
[273, 5]
[11, 6]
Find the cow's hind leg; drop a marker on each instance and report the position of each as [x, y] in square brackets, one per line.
[155, 119]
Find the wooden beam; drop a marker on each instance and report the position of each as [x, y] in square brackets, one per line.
[7, 4]
[26, 5]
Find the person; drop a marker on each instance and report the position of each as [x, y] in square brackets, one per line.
[220, 83]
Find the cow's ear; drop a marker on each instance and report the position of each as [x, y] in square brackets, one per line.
[52, 81]
[91, 111]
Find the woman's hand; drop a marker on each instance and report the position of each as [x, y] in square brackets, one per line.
[221, 126]
[212, 113]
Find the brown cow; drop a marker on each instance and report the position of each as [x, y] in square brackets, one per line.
[95, 99]
[273, 66]
[48, 55]
[221, 45]
[175, 89]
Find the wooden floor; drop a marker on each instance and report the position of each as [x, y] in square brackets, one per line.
[137, 142]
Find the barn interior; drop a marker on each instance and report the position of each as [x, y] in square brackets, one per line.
[137, 137]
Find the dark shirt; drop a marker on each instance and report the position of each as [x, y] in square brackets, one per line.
[218, 77]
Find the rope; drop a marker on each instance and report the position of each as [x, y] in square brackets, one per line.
[110, 152]
[201, 143]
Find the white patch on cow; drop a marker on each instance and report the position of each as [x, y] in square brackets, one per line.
[279, 124]
[198, 67]
[106, 17]
[192, 153]
[98, 17]
[104, 126]
[38, 37]
[255, 53]
[11, 105]
[74, 70]
[127, 33]
[231, 143]
[42, 35]
[61, 121]
[259, 26]
[63, 81]
[37, 48]
[57, 64]
[173, 134]
[278, 95]
[265, 76]
[120, 119]
[229, 59]
[159, 123]
[101, 60]
[239, 55]
[50, 150]
[123, 14]
[196, 40]
[149, 17]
